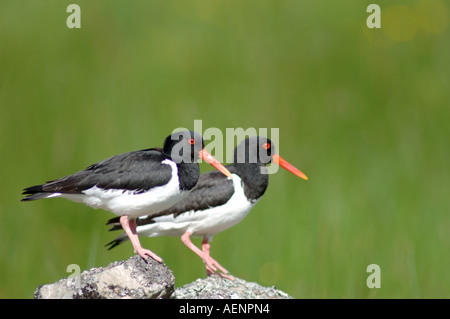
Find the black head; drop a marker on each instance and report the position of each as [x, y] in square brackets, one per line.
[260, 150]
[255, 149]
[184, 146]
[188, 147]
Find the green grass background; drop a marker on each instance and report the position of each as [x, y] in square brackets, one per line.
[363, 112]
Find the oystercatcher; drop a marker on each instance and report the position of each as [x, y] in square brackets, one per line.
[216, 203]
[136, 183]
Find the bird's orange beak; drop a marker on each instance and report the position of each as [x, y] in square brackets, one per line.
[287, 166]
[208, 158]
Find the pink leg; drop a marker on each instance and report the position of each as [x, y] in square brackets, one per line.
[129, 226]
[210, 263]
[206, 247]
[187, 241]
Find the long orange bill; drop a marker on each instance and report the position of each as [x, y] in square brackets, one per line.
[278, 160]
[208, 158]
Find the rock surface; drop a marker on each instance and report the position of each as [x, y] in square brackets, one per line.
[134, 278]
[139, 279]
[216, 287]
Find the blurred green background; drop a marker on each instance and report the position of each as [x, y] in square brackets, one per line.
[363, 112]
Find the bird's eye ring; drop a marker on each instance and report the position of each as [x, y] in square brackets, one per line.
[191, 141]
[266, 146]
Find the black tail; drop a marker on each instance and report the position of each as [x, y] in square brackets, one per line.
[33, 193]
[117, 241]
[115, 223]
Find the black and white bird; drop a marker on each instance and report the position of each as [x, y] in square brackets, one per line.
[136, 183]
[216, 203]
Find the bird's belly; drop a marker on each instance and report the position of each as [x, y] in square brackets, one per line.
[198, 223]
[219, 218]
[125, 202]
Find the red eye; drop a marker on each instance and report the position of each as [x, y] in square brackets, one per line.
[191, 141]
[266, 146]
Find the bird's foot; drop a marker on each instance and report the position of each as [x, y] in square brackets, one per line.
[220, 274]
[214, 268]
[145, 253]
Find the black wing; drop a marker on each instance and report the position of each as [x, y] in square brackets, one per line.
[138, 171]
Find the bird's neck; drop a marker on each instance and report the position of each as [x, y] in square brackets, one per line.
[188, 174]
[255, 182]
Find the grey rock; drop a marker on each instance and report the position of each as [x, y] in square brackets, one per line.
[216, 287]
[134, 278]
